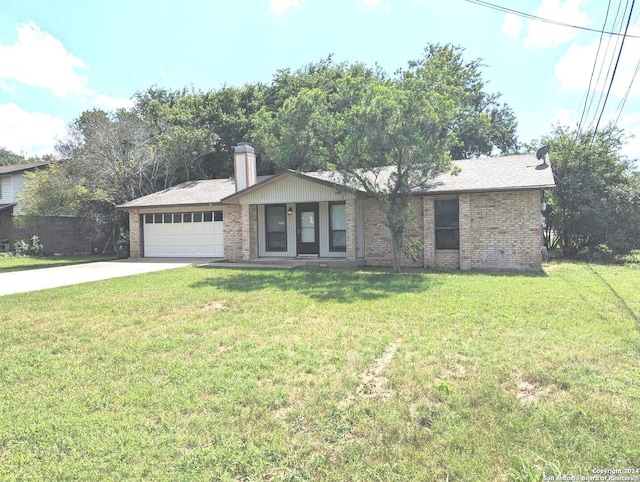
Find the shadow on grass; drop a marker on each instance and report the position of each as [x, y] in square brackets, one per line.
[341, 286]
[621, 300]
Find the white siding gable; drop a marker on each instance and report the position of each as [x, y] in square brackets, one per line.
[293, 189]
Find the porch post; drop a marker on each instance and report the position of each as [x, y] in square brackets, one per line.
[135, 237]
[352, 231]
[245, 223]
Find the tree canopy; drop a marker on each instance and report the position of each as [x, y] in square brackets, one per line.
[596, 204]
[321, 116]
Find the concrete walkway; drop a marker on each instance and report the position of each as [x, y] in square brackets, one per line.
[40, 279]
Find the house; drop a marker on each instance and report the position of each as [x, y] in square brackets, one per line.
[486, 217]
[58, 234]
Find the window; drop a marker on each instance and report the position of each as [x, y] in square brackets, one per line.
[208, 217]
[157, 218]
[148, 218]
[447, 224]
[276, 227]
[186, 218]
[217, 215]
[337, 227]
[197, 217]
[177, 218]
[168, 218]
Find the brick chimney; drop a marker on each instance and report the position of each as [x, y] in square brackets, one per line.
[244, 166]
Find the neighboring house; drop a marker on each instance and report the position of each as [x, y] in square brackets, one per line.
[58, 234]
[486, 217]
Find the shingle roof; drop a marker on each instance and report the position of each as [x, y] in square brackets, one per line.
[21, 167]
[209, 191]
[481, 174]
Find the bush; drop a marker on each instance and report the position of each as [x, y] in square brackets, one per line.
[33, 247]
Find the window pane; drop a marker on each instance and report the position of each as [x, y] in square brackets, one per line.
[277, 241]
[217, 215]
[338, 217]
[197, 217]
[168, 218]
[446, 213]
[276, 219]
[186, 217]
[447, 239]
[339, 240]
[177, 218]
[157, 218]
[208, 217]
[148, 218]
[276, 228]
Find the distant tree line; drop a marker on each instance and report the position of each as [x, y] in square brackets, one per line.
[346, 117]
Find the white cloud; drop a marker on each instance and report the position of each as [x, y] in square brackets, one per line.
[512, 25]
[9, 88]
[29, 132]
[565, 117]
[279, 6]
[631, 124]
[574, 68]
[112, 103]
[373, 4]
[546, 35]
[40, 60]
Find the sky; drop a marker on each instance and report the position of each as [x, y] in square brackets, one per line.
[59, 58]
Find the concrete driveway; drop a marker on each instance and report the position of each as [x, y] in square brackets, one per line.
[40, 279]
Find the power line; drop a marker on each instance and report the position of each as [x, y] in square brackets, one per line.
[611, 58]
[529, 16]
[614, 70]
[593, 70]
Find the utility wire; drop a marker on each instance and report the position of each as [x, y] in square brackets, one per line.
[614, 71]
[593, 70]
[529, 16]
[606, 56]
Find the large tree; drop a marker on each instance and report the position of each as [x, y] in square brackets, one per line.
[384, 138]
[596, 203]
[483, 126]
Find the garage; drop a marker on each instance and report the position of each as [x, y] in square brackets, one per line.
[185, 234]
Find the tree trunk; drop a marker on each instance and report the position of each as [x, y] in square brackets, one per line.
[395, 247]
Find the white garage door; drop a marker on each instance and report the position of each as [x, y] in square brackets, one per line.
[188, 234]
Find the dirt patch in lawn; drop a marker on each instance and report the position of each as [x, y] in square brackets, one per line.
[372, 383]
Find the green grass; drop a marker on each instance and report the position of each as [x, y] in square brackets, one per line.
[213, 374]
[21, 263]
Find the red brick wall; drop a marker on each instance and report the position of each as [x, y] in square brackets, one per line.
[58, 235]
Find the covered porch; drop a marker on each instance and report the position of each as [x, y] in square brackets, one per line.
[297, 217]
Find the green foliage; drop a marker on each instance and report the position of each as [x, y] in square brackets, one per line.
[482, 125]
[8, 158]
[321, 116]
[32, 247]
[596, 204]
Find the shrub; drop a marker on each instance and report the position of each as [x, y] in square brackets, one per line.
[33, 247]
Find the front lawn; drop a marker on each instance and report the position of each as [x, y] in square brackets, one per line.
[214, 374]
[21, 263]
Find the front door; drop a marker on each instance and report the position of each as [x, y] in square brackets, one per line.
[307, 228]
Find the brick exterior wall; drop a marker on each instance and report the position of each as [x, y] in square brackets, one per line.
[136, 242]
[352, 231]
[505, 230]
[233, 246]
[58, 235]
[377, 245]
[249, 229]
